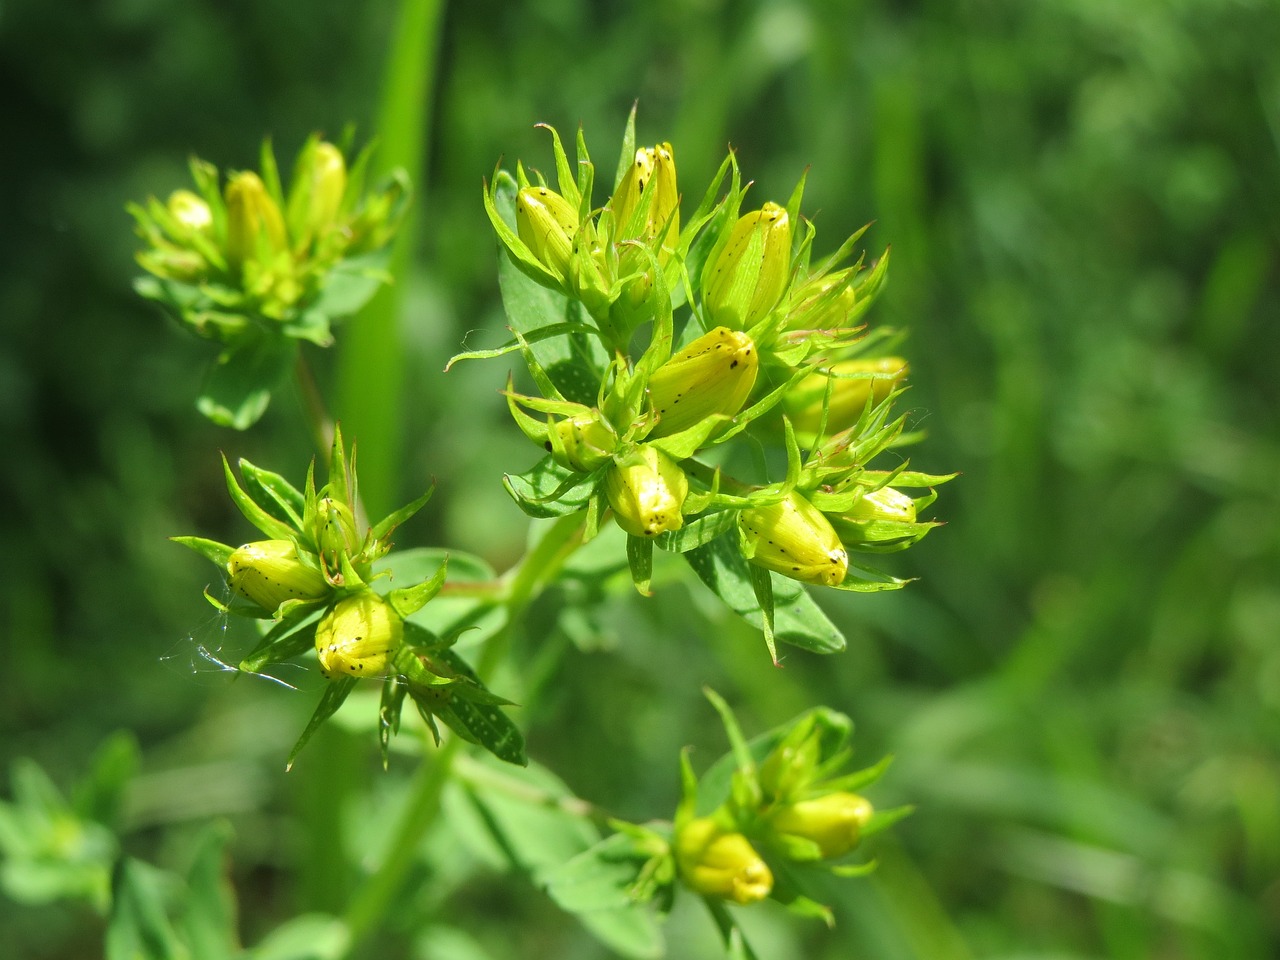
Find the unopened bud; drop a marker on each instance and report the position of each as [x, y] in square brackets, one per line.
[315, 195]
[190, 213]
[718, 863]
[793, 538]
[647, 490]
[834, 822]
[269, 572]
[883, 504]
[358, 636]
[582, 443]
[335, 532]
[654, 169]
[849, 392]
[749, 275]
[713, 375]
[547, 223]
[253, 219]
[817, 304]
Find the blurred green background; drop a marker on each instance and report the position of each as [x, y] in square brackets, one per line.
[1082, 689]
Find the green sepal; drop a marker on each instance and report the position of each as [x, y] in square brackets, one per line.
[335, 692]
[212, 550]
[255, 514]
[697, 532]
[287, 638]
[550, 490]
[274, 494]
[640, 560]
[407, 601]
[392, 702]
[883, 819]
[384, 528]
[863, 579]
[762, 586]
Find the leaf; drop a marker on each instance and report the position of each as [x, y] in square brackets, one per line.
[351, 283]
[138, 927]
[209, 918]
[237, 388]
[595, 886]
[287, 639]
[311, 936]
[273, 493]
[550, 490]
[100, 796]
[218, 553]
[335, 692]
[798, 620]
[448, 614]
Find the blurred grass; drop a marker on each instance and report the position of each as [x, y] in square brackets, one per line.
[1082, 689]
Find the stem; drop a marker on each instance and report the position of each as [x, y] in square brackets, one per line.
[313, 406]
[735, 942]
[523, 583]
[372, 901]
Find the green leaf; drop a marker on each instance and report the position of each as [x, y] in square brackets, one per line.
[237, 388]
[139, 927]
[595, 886]
[407, 601]
[351, 283]
[550, 490]
[255, 514]
[100, 796]
[487, 726]
[798, 620]
[209, 919]
[698, 532]
[335, 692]
[448, 614]
[311, 936]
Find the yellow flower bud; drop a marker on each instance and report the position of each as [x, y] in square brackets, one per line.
[793, 538]
[190, 212]
[883, 504]
[712, 375]
[717, 863]
[358, 636]
[585, 443]
[834, 822]
[547, 223]
[328, 184]
[849, 395]
[655, 166]
[749, 275]
[814, 307]
[253, 220]
[269, 572]
[646, 491]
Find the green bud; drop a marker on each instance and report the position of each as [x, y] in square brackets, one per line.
[190, 213]
[713, 375]
[815, 307]
[174, 263]
[749, 275]
[582, 443]
[883, 504]
[269, 572]
[335, 532]
[359, 636]
[647, 490]
[834, 822]
[253, 220]
[547, 223]
[655, 169]
[315, 195]
[719, 863]
[849, 394]
[793, 538]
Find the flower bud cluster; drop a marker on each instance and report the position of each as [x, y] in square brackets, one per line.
[250, 258]
[770, 344]
[790, 806]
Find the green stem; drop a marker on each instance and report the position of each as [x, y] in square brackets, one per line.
[523, 583]
[313, 406]
[735, 942]
[372, 901]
